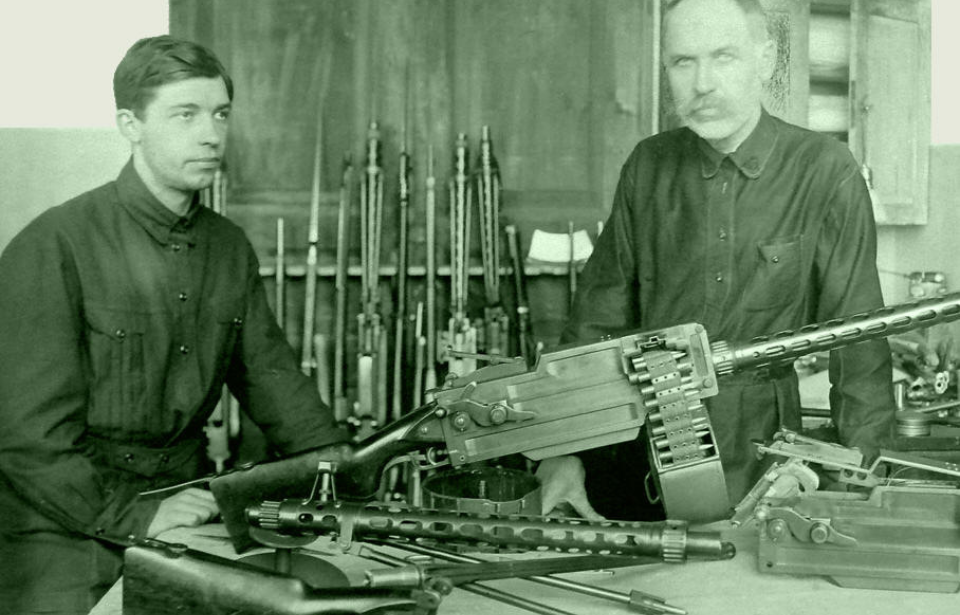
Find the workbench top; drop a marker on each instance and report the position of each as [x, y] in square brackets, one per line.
[732, 587]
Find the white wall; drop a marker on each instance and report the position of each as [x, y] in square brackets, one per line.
[57, 137]
[945, 78]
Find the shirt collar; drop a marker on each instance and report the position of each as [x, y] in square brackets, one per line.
[161, 223]
[752, 155]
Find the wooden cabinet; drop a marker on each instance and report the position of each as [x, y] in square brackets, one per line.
[563, 84]
[869, 73]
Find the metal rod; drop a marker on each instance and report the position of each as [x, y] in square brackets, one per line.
[546, 579]
[475, 588]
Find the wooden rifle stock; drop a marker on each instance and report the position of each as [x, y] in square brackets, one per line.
[359, 469]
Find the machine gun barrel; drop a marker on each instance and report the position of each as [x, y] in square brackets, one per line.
[671, 541]
[785, 347]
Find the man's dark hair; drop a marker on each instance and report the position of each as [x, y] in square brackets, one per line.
[152, 62]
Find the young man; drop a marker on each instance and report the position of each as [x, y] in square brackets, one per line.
[123, 313]
[745, 224]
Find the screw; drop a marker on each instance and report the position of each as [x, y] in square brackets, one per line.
[460, 421]
[819, 533]
[498, 414]
[777, 529]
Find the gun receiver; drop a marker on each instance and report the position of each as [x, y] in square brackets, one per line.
[578, 398]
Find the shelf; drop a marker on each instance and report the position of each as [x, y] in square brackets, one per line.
[416, 271]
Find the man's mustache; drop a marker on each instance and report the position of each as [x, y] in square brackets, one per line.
[701, 103]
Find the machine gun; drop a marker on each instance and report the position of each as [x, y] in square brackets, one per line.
[577, 398]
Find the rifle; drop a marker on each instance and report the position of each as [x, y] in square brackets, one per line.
[340, 411]
[223, 425]
[524, 339]
[371, 377]
[578, 398]
[461, 335]
[307, 363]
[403, 202]
[496, 323]
[572, 265]
[280, 276]
[419, 357]
[430, 376]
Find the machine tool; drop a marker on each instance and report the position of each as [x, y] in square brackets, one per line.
[882, 527]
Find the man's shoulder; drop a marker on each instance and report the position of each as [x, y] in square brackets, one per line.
[818, 148]
[73, 214]
[661, 146]
[225, 229]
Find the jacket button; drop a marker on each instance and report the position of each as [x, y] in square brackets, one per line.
[238, 322]
[182, 296]
[128, 457]
[775, 259]
[120, 333]
[184, 349]
[176, 247]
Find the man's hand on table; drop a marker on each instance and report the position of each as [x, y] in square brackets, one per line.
[188, 508]
[562, 481]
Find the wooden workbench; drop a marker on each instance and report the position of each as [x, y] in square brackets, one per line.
[733, 587]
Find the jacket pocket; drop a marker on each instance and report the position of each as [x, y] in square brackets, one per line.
[776, 280]
[115, 344]
[228, 320]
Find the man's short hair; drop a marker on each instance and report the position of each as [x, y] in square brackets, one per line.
[752, 8]
[152, 62]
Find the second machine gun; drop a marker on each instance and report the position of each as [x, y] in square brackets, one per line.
[573, 399]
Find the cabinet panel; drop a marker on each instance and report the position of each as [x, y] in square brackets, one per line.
[891, 105]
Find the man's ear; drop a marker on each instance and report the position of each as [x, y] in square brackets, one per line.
[129, 125]
[767, 60]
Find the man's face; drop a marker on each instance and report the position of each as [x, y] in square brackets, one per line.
[716, 62]
[180, 136]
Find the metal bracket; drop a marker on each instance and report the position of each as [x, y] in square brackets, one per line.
[780, 520]
[483, 414]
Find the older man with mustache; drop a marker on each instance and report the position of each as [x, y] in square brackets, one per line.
[745, 224]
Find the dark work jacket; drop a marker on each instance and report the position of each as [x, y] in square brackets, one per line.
[119, 324]
[777, 235]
